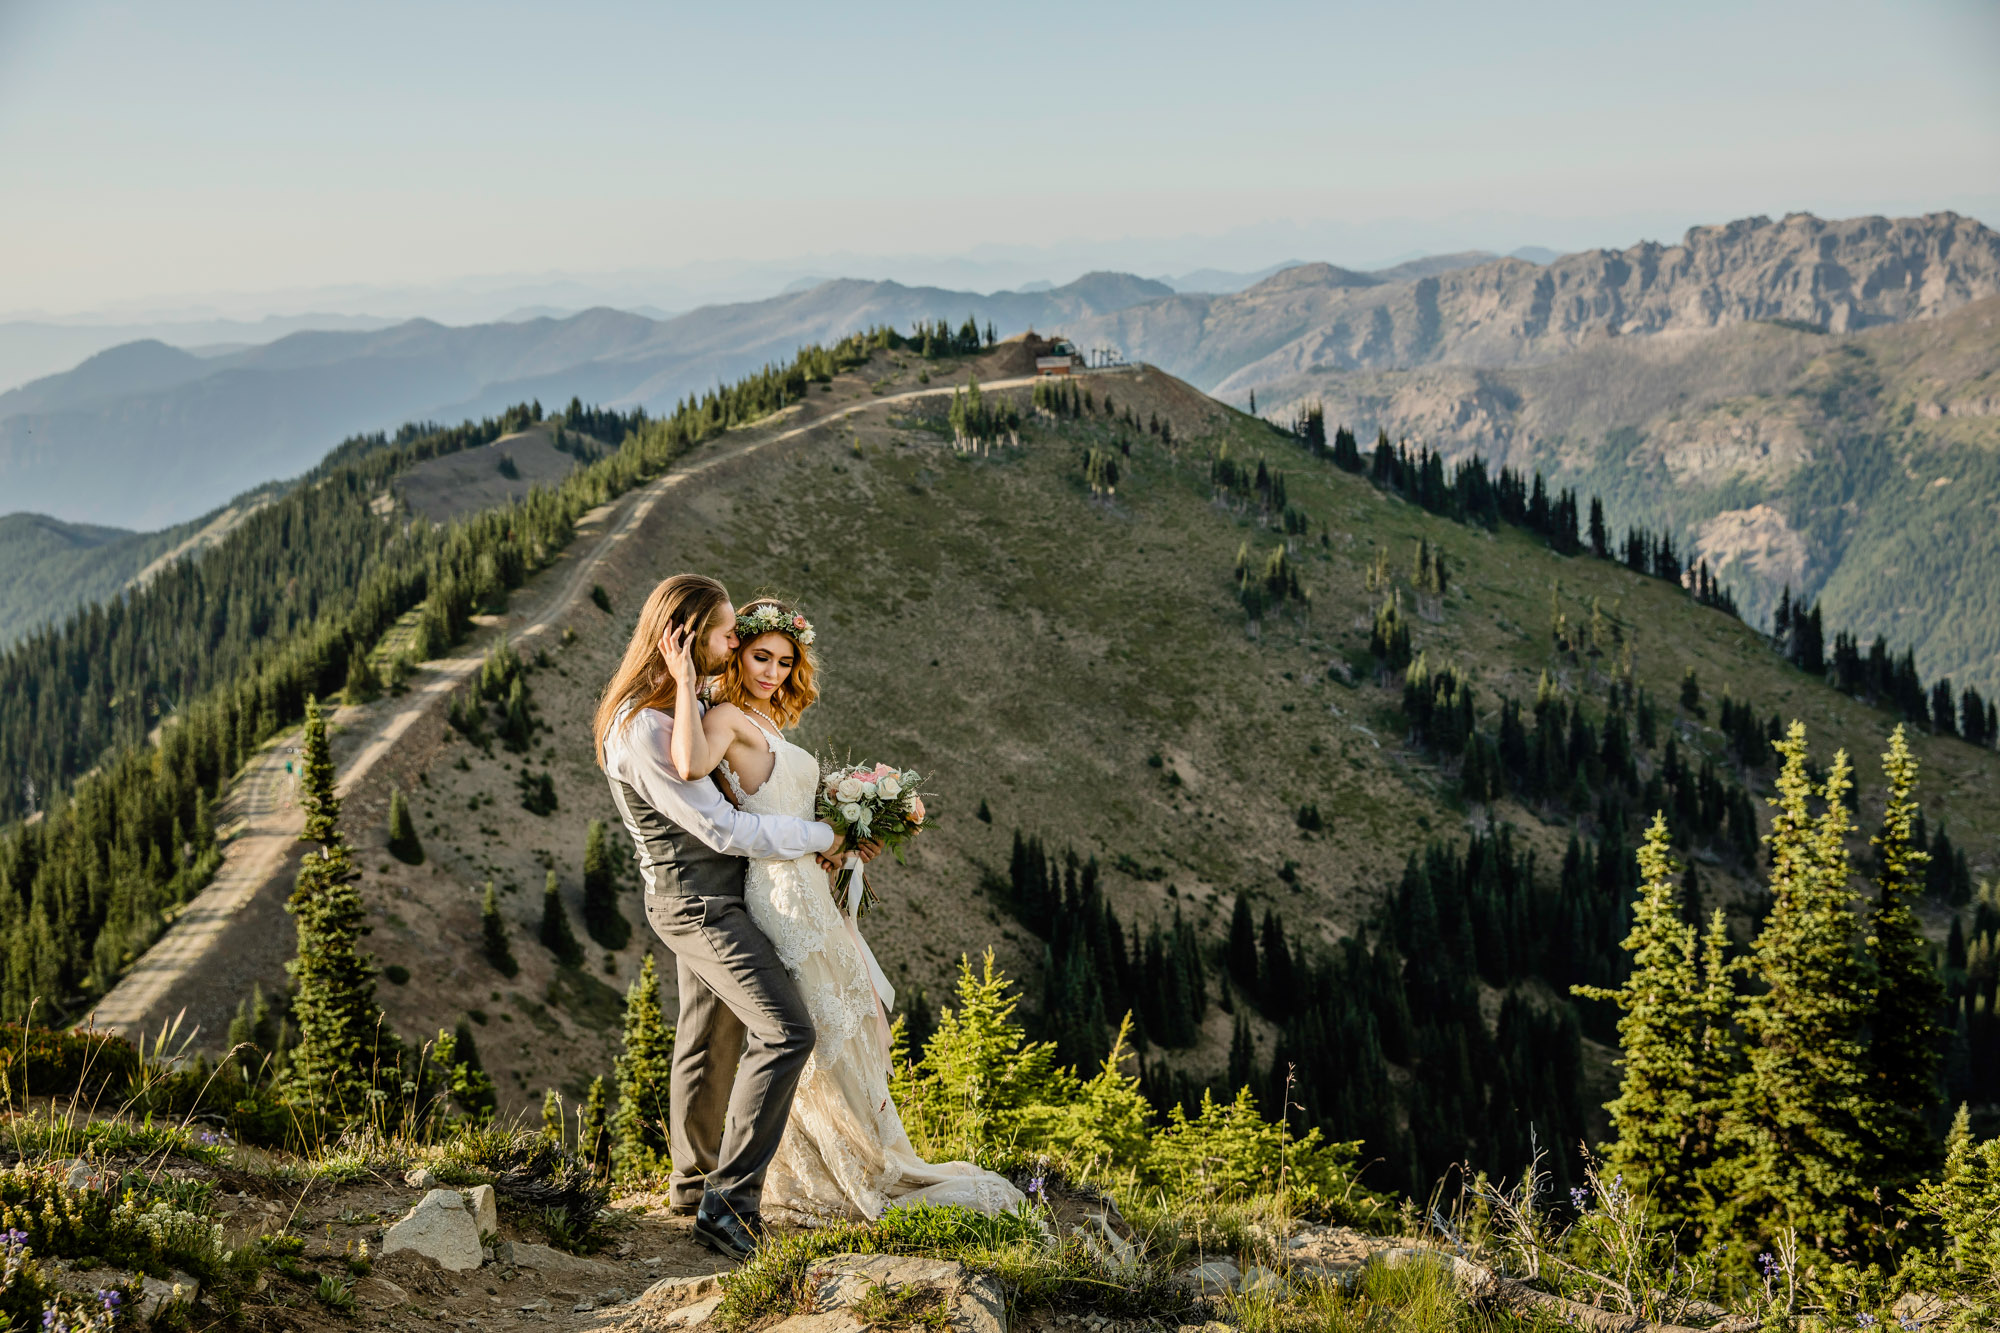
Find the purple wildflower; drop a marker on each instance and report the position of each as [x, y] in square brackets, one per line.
[111, 1300]
[1768, 1264]
[1910, 1325]
[1865, 1320]
[1579, 1198]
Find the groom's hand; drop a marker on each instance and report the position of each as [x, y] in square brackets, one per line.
[834, 860]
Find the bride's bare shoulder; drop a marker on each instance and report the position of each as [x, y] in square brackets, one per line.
[727, 717]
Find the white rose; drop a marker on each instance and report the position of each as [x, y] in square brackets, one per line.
[868, 790]
[851, 813]
[849, 790]
[890, 788]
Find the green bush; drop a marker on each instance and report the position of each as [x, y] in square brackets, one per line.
[44, 1061]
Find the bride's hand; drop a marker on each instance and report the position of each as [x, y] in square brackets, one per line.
[677, 647]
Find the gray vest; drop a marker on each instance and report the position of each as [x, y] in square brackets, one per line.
[672, 861]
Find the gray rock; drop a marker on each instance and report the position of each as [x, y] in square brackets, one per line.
[546, 1259]
[1214, 1278]
[677, 1302]
[485, 1210]
[79, 1174]
[423, 1178]
[976, 1304]
[689, 1316]
[440, 1229]
[1260, 1280]
[826, 1321]
[155, 1295]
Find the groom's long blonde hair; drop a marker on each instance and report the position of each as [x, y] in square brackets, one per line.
[642, 679]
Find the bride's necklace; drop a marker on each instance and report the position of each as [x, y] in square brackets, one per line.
[766, 716]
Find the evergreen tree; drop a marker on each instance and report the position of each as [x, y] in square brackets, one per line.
[493, 934]
[1659, 1032]
[1903, 1016]
[602, 920]
[403, 843]
[363, 684]
[557, 937]
[328, 1073]
[1241, 957]
[592, 1134]
[639, 1125]
[1242, 1054]
[471, 1086]
[1794, 1123]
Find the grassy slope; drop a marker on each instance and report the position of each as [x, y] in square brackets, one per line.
[1846, 437]
[985, 620]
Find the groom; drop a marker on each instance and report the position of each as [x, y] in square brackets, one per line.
[744, 1032]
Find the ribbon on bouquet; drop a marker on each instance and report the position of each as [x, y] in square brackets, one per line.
[851, 873]
[853, 877]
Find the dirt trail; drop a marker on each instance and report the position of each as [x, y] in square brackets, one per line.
[257, 859]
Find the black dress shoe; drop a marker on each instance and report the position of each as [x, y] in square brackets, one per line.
[725, 1234]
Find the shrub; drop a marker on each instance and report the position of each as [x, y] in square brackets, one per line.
[84, 1064]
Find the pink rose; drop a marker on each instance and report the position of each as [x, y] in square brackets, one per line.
[798, 622]
[882, 771]
[917, 809]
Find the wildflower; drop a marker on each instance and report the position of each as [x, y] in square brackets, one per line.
[1910, 1325]
[1768, 1264]
[1579, 1198]
[110, 1300]
[1865, 1320]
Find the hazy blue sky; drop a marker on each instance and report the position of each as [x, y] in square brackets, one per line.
[153, 151]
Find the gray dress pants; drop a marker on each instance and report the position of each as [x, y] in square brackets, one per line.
[739, 1048]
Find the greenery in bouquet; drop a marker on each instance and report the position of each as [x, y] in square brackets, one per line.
[861, 802]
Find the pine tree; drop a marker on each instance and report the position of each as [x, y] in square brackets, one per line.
[403, 843]
[493, 933]
[363, 684]
[1903, 1015]
[557, 937]
[1794, 1120]
[592, 1136]
[602, 920]
[639, 1126]
[328, 1073]
[1242, 1054]
[1658, 1034]
[1241, 957]
[471, 1086]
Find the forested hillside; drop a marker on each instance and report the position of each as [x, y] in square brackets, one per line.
[1859, 473]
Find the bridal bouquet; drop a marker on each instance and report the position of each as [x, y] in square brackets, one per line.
[883, 803]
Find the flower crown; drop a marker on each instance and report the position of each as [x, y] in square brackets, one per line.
[770, 618]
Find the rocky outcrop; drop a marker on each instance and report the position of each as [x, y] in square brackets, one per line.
[1830, 276]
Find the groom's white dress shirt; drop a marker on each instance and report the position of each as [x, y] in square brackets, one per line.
[638, 753]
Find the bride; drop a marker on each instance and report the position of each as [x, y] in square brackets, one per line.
[845, 1154]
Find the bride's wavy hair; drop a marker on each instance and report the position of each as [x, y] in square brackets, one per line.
[799, 692]
[642, 680]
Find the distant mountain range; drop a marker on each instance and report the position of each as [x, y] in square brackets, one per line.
[146, 435]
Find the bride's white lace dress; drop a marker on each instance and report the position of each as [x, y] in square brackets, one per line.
[845, 1155]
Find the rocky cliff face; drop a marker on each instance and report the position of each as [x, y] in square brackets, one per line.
[1837, 277]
